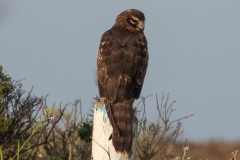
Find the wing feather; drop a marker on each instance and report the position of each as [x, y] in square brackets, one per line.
[122, 63]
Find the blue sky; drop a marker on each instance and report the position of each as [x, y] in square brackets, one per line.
[193, 45]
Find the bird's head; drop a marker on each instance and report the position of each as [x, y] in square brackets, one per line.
[132, 20]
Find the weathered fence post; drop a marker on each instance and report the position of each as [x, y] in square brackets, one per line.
[102, 147]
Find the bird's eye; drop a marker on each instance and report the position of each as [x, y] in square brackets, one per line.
[133, 21]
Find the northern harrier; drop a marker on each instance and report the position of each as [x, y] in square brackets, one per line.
[121, 67]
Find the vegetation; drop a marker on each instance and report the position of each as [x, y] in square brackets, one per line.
[30, 129]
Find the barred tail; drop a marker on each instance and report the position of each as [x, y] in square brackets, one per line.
[120, 115]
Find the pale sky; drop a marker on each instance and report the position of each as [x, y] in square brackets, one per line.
[194, 48]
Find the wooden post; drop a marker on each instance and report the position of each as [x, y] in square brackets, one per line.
[102, 147]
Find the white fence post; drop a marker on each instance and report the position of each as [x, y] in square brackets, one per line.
[102, 147]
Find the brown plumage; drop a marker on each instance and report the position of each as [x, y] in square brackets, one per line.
[122, 63]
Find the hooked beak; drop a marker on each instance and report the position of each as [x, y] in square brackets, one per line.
[141, 25]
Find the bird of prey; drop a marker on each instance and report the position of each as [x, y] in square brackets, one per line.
[121, 67]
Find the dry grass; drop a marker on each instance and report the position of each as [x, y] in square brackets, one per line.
[212, 150]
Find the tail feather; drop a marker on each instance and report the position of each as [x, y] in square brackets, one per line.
[120, 116]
